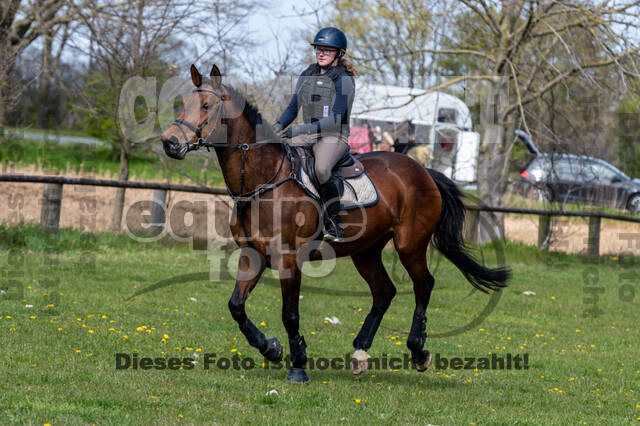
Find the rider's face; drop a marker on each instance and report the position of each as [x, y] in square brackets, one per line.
[325, 56]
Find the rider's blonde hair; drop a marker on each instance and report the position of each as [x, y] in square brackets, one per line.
[348, 65]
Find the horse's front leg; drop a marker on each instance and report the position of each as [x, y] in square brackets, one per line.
[290, 278]
[250, 270]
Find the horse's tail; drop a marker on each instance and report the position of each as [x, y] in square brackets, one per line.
[449, 241]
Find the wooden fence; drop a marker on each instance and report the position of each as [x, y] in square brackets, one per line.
[52, 201]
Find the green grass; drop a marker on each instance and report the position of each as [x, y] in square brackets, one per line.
[58, 362]
[58, 158]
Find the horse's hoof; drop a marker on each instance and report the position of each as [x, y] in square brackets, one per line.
[298, 375]
[274, 350]
[360, 361]
[422, 366]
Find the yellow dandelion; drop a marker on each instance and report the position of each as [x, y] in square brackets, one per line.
[188, 348]
[79, 319]
[8, 317]
[313, 332]
[148, 331]
[112, 329]
[50, 305]
[357, 401]
[180, 416]
[125, 337]
[59, 328]
[104, 317]
[163, 340]
[32, 317]
[90, 316]
[398, 342]
[90, 331]
[166, 336]
[571, 379]
[199, 350]
[264, 324]
[234, 350]
[553, 298]
[578, 330]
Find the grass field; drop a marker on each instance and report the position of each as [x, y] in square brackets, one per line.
[58, 357]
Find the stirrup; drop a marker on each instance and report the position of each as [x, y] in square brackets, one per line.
[334, 233]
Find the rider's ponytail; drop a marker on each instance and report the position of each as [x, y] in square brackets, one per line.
[348, 66]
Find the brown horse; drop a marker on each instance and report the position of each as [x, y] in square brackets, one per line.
[276, 222]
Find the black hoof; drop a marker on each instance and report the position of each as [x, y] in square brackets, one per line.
[422, 361]
[274, 350]
[298, 375]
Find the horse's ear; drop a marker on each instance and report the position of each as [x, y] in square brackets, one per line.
[216, 77]
[196, 77]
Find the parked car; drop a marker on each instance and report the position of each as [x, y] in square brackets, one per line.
[578, 179]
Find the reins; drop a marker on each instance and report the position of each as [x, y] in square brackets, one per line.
[240, 199]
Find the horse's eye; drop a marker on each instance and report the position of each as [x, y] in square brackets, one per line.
[206, 106]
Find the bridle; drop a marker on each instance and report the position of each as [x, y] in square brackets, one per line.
[240, 199]
[198, 130]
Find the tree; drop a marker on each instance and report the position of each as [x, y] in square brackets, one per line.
[388, 39]
[23, 22]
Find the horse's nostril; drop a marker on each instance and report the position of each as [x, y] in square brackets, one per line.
[172, 140]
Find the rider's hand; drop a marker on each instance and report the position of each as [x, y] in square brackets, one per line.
[277, 127]
[288, 133]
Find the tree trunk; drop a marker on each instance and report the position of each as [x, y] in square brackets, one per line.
[491, 166]
[118, 206]
[44, 107]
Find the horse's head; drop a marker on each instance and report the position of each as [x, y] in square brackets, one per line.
[201, 115]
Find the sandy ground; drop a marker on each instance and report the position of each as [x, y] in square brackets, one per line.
[90, 208]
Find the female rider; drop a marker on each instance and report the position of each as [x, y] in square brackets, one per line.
[325, 92]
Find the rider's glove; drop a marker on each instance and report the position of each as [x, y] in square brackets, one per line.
[277, 127]
[288, 133]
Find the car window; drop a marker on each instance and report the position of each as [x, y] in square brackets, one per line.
[565, 168]
[597, 171]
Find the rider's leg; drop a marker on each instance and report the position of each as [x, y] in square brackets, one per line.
[327, 152]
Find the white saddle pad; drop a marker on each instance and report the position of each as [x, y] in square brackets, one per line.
[363, 194]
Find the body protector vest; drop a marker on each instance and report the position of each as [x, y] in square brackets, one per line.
[317, 93]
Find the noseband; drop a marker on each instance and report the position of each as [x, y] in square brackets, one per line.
[198, 130]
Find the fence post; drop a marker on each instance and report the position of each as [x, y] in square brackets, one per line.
[158, 210]
[593, 243]
[51, 203]
[544, 224]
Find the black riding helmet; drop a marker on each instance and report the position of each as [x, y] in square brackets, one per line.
[331, 37]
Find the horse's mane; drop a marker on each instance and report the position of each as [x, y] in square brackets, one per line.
[253, 116]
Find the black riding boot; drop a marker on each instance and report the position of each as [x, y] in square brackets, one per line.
[330, 192]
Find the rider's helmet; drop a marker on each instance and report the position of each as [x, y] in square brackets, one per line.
[331, 37]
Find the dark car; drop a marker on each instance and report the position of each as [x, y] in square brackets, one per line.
[578, 179]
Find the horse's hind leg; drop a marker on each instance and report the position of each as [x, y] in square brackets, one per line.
[369, 265]
[250, 269]
[412, 250]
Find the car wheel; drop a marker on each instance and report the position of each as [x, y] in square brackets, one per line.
[634, 204]
[542, 194]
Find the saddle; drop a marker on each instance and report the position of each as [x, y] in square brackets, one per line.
[347, 168]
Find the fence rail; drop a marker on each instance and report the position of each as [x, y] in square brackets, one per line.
[64, 180]
[52, 202]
